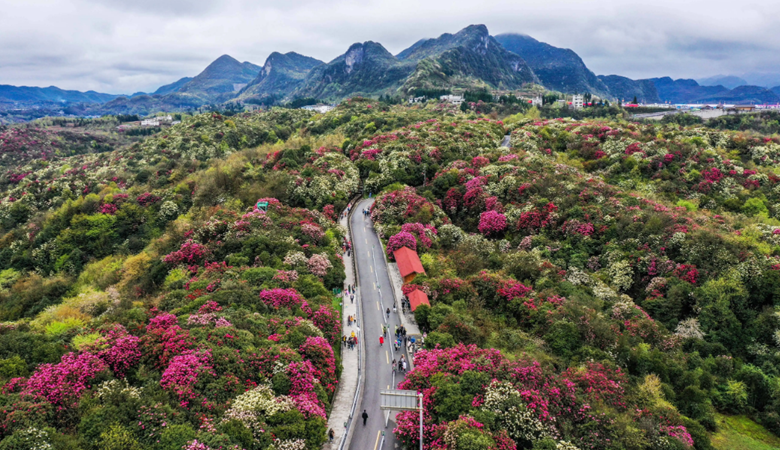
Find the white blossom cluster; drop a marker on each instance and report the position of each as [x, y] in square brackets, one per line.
[622, 274]
[504, 400]
[295, 259]
[35, 439]
[252, 407]
[113, 388]
[689, 328]
[168, 210]
[288, 444]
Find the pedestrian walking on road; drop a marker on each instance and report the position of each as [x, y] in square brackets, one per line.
[381, 341]
[352, 298]
[384, 330]
[388, 313]
[403, 364]
[344, 340]
[394, 310]
[365, 417]
[393, 365]
[331, 434]
[400, 365]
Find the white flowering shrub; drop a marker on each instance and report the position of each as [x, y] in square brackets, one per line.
[288, 444]
[113, 389]
[504, 400]
[169, 210]
[622, 274]
[689, 328]
[296, 259]
[253, 407]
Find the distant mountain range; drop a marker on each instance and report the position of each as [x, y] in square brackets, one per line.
[50, 94]
[468, 59]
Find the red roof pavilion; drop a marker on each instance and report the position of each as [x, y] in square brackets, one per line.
[408, 263]
[417, 298]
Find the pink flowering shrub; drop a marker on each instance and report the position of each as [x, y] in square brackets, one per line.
[147, 199]
[320, 353]
[313, 232]
[302, 391]
[159, 345]
[328, 320]
[680, 433]
[402, 239]
[492, 223]
[190, 252]
[319, 264]
[281, 298]
[117, 348]
[108, 208]
[183, 372]
[63, 383]
[420, 232]
[162, 322]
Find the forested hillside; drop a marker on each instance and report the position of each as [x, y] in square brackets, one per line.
[598, 285]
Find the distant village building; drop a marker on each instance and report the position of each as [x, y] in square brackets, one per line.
[322, 109]
[153, 122]
[454, 99]
[577, 102]
[420, 99]
[537, 101]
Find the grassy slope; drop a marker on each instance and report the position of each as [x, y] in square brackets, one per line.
[741, 433]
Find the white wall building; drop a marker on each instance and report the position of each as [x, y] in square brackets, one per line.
[454, 99]
[153, 122]
[537, 101]
[577, 102]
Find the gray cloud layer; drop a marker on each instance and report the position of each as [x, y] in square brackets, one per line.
[126, 46]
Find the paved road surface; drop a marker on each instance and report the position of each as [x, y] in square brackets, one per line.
[505, 142]
[376, 296]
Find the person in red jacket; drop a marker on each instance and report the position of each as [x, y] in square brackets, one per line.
[381, 340]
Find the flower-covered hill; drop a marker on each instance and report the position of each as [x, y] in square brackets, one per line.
[693, 167]
[578, 301]
[526, 254]
[147, 304]
[26, 149]
[236, 350]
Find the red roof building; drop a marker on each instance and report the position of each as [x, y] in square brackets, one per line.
[417, 298]
[408, 263]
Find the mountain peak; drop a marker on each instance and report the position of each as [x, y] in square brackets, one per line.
[559, 69]
[479, 30]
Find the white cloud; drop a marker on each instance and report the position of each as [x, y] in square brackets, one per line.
[126, 46]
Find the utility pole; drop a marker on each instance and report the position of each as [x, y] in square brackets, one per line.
[421, 420]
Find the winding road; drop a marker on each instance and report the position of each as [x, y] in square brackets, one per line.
[376, 297]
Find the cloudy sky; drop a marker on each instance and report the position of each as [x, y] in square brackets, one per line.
[120, 46]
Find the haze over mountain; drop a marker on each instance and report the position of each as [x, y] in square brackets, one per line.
[728, 81]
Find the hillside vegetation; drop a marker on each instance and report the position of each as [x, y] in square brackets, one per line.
[599, 285]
